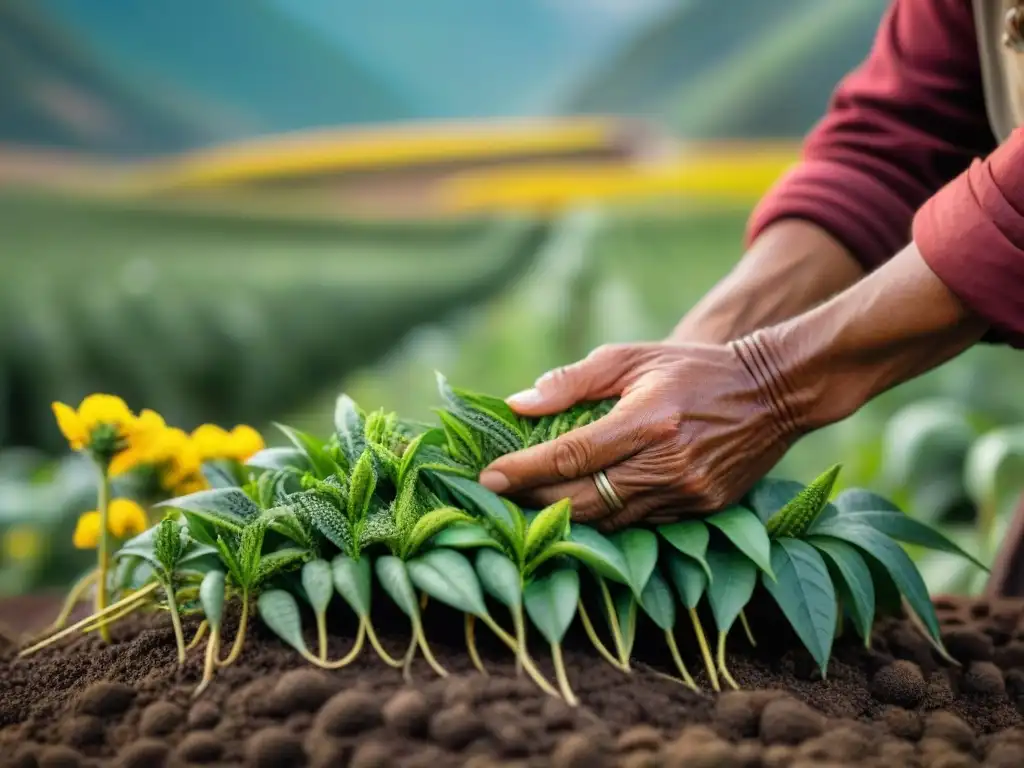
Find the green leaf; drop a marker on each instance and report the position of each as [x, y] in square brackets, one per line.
[747, 533]
[280, 612]
[447, 576]
[353, 582]
[320, 460]
[995, 460]
[318, 582]
[733, 579]
[361, 485]
[168, 545]
[852, 578]
[803, 590]
[292, 524]
[861, 500]
[639, 547]
[227, 555]
[551, 602]
[393, 577]
[549, 526]
[500, 578]
[279, 561]
[658, 601]
[466, 536]
[222, 508]
[499, 426]
[800, 513]
[349, 423]
[218, 476]
[690, 537]
[410, 457]
[899, 526]
[431, 524]
[211, 597]
[895, 561]
[461, 441]
[592, 549]
[488, 504]
[625, 612]
[769, 495]
[200, 531]
[282, 457]
[323, 513]
[689, 577]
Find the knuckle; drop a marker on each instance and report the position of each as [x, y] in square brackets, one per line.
[571, 457]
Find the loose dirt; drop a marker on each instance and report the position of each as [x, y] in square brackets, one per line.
[897, 704]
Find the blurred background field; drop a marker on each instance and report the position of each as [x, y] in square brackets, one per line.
[231, 211]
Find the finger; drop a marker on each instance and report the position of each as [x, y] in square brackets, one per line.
[636, 510]
[588, 504]
[609, 440]
[600, 374]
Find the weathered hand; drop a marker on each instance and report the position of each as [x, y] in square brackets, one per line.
[695, 427]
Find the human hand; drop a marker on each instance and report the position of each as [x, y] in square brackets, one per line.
[696, 426]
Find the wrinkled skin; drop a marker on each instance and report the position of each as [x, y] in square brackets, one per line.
[692, 432]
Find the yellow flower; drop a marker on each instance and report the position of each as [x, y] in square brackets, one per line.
[190, 485]
[244, 441]
[22, 542]
[210, 440]
[125, 518]
[87, 531]
[100, 424]
[144, 444]
[181, 459]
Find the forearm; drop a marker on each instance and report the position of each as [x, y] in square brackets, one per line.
[892, 326]
[790, 268]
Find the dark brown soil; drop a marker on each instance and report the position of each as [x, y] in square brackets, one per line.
[896, 705]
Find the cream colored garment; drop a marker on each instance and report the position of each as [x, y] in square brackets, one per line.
[1002, 67]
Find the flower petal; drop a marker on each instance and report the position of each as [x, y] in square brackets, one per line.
[70, 425]
[104, 409]
[87, 531]
[245, 442]
[126, 518]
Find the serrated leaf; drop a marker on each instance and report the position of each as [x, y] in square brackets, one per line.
[250, 545]
[318, 582]
[410, 458]
[353, 581]
[769, 495]
[852, 579]
[743, 528]
[222, 508]
[279, 561]
[281, 457]
[319, 459]
[168, 545]
[499, 578]
[349, 425]
[327, 518]
[734, 576]
[491, 417]
[658, 601]
[550, 525]
[466, 536]
[462, 443]
[227, 551]
[292, 524]
[393, 577]
[362, 484]
[280, 612]
[379, 528]
[690, 537]
[639, 547]
[800, 513]
[431, 524]
[551, 601]
[211, 597]
[894, 560]
[489, 505]
[592, 549]
[447, 576]
[688, 576]
[803, 590]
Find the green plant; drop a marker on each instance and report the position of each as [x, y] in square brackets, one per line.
[397, 502]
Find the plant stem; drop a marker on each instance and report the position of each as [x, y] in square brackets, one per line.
[243, 621]
[410, 654]
[103, 505]
[746, 629]
[421, 640]
[386, 657]
[179, 636]
[528, 664]
[588, 627]
[106, 621]
[197, 638]
[345, 660]
[987, 514]
[210, 662]
[560, 676]
[939, 648]
[321, 634]
[474, 654]
[73, 598]
[519, 626]
[723, 670]
[705, 650]
[678, 659]
[139, 596]
[613, 624]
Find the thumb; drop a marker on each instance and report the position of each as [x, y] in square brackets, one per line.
[603, 373]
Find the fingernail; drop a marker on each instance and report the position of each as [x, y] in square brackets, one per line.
[526, 398]
[494, 480]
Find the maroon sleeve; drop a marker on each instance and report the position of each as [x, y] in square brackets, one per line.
[906, 121]
[971, 234]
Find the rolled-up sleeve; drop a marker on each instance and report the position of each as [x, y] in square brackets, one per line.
[971, 234]
[909, 119]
